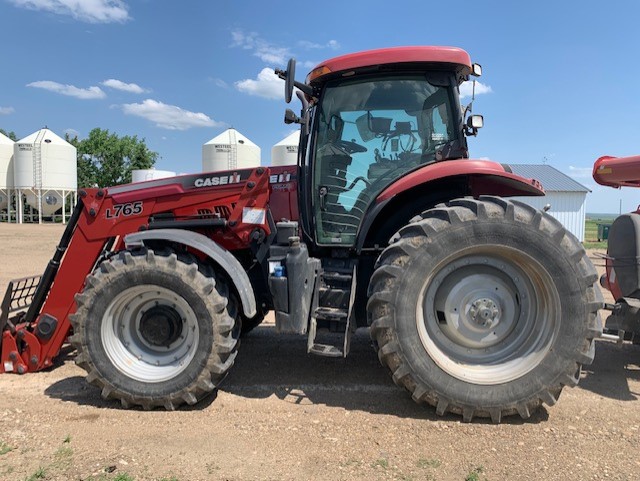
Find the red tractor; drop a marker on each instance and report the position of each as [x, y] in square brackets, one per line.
[478, 305]
[622, 276]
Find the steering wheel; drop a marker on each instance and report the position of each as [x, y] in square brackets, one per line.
[358, 179]
[349, 147]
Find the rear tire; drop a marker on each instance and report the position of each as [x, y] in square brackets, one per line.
[484, 308]
[152, 330]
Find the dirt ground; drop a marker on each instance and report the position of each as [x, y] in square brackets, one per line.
[282, 414]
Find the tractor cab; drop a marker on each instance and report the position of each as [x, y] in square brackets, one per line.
[369, 119]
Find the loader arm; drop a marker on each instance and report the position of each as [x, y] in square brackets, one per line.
[34, 320]
[30, 341]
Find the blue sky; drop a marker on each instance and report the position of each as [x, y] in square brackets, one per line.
[558, 77]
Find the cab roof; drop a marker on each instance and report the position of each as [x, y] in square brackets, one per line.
[451, 56]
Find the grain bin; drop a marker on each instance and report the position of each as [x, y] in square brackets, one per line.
[45, 173]
[6, 171]
[285, 152]
[228, 151]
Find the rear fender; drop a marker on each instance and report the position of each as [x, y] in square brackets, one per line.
[484, 178]
[435, 183]
[214, 251]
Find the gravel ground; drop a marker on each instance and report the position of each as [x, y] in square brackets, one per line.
[282, 414]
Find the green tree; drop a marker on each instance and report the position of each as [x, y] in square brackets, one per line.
[12, 135]
[104, 159]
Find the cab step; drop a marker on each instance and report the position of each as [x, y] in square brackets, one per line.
[342, 316]
[325, 350]
[331, 314]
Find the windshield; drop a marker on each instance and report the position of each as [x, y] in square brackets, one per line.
[368, 134]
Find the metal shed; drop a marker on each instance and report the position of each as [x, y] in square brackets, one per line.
[566, 196]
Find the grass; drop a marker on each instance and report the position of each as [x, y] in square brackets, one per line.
[591, 234]
[40, 473]
[5, 448]
[474, 474]
[64, 452]
[382, 462]
[63, 457]
[428, 463]
[123, 477]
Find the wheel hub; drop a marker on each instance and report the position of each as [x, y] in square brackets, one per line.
[161, 325]
[150, 333]
[485, 312]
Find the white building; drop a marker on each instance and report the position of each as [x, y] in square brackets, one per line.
[566, 196]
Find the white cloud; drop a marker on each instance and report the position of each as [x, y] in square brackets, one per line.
[580, 172]
[332, 44]
[267, 85]
[169, 117]
[466, 89]
[273, 55]
[243, 40]
[264, 50]
[6, 110]
[70, 90]
[218, 82]
[120, 85]
[92, 11]
[72, 133]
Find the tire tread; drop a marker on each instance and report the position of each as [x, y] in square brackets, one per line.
[384, 283]
[224, 349]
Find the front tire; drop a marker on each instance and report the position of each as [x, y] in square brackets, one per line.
[151, 329]
[484, 308]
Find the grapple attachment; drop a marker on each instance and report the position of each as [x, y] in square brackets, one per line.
[16, 302]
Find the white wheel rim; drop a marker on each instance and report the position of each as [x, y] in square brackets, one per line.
[130, 352]
[488, 315]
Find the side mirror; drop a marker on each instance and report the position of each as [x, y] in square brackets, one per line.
[474, 122]
[289, 77]
[290, 117]
[289, 80]
[476, 70]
